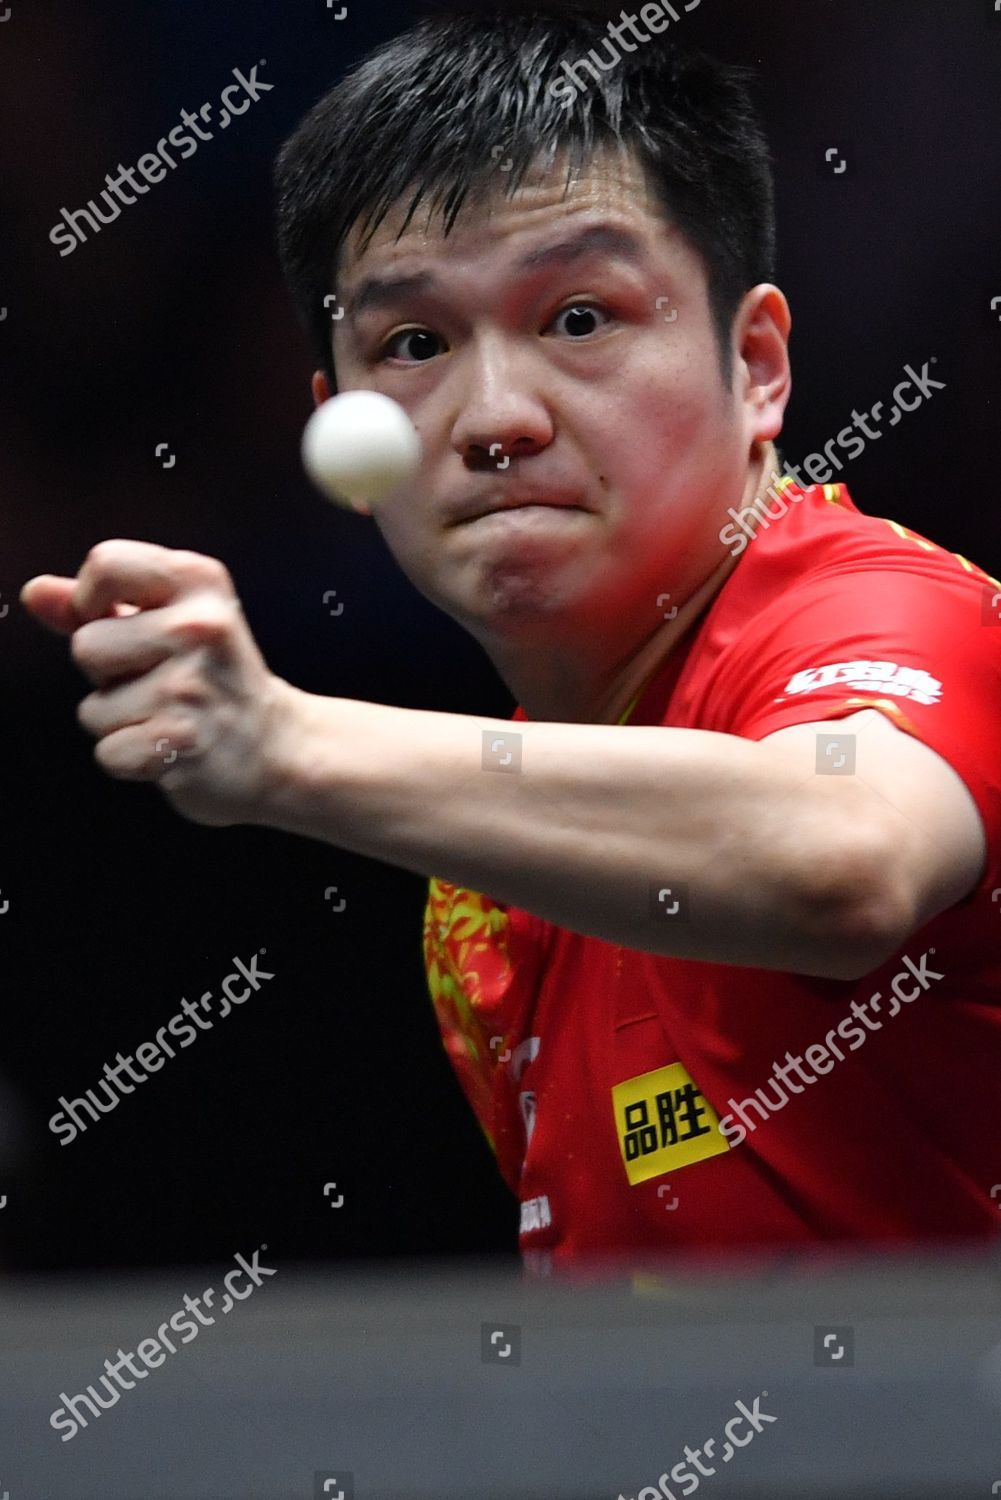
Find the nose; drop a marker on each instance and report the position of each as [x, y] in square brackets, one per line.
[502, 412]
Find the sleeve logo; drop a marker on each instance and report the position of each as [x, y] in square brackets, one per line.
[894, 680]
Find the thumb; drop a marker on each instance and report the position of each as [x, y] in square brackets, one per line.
[48, 599]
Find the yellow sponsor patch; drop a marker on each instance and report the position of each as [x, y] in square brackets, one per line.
[663, 1122]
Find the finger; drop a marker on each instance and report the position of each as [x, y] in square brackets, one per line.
[142, 574]
[136, 701]
[138, 753]
[108, 650]
[207, 623]
[48, 598]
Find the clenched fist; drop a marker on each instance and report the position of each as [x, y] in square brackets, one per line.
[184, 697]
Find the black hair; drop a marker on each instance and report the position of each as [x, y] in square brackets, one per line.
[427, 111]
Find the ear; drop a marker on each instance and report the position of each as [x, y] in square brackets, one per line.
[320, 387]
[321, 392]
[763, 353]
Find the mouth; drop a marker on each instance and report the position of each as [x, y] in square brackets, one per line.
[531, 503]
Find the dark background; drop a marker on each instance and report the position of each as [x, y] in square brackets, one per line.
[172, 324]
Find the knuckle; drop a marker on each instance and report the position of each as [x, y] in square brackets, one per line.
[81, 647]
[103, 554]
[207, 621]
[202, 565]
[105, 757]
[181, 735]
[188, 688]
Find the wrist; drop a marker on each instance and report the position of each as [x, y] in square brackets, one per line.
[288, 742]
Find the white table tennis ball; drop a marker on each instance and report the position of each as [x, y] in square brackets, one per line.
[360, 446]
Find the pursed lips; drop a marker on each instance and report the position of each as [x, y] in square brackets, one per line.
[476, 510]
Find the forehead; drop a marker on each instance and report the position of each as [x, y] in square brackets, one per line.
[494, 227]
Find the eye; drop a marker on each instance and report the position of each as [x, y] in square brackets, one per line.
[422, 345]
[580, 318]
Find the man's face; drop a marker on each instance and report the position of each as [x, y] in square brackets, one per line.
[592, 369]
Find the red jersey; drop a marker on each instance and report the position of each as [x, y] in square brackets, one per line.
[637, 1102]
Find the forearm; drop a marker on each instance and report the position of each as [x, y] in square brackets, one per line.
[591, 830]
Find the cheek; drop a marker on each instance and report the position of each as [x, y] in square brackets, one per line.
[650, 419]
[411, 529]
[395, 522]
[665, 440]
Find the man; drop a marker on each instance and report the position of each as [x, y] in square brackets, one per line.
[731, 978]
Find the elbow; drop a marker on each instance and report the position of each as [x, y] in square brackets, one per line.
[855, 905]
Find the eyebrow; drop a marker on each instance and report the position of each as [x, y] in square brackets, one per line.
[376, 292]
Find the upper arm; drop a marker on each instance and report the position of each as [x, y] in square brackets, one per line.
[933, 834]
